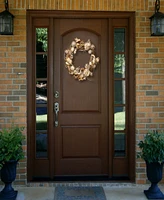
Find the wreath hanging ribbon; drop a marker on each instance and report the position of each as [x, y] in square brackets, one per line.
[81, 73]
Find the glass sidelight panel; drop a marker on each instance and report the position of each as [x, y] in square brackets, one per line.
[119, 118]
[119, 39]
[119, 66]
[41, 57]
[41, 118]
[119, 144]
[41, 92]
[41, 66]
[41, 144]
[41, 39]
[119, 92]
[41, 124]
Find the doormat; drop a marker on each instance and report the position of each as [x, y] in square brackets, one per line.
[79, 193]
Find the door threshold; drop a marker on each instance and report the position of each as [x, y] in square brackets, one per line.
[81, 178]
[88, 178]
[78, 181]
[113, 184]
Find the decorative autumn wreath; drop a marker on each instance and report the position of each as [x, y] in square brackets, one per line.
[81, 73]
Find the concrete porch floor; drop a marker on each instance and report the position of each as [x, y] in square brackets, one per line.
[112, 191]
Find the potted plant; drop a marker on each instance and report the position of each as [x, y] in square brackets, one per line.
[11, 152]
[152, 151]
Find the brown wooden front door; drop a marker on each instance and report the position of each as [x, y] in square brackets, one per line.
[81, 137]
[80, 129]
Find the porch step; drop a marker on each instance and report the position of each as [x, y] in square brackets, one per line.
[113, 191]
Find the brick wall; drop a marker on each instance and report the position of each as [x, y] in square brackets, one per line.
[149, 66]
[13, 84]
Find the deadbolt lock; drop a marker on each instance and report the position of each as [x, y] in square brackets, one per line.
[56, 94]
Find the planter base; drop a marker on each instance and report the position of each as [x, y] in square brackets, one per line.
[12, 195]
[154, 194]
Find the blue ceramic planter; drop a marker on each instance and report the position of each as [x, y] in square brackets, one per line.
[8, 175]
[154, 174]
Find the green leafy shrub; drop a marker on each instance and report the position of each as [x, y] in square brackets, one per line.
[11, 140]
[152, 147]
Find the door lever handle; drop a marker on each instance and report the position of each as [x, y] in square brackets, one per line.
[56, 110]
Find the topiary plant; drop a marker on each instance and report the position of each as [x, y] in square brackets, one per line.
[11, 141]
[152, 147]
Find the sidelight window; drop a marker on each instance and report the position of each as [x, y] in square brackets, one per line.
[119, 93]
[41, 92]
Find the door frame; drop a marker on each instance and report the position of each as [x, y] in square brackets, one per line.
[40, 14]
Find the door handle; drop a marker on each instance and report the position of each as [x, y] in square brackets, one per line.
[56, 110]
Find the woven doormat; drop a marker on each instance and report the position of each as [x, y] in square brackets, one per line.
[79, 193]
